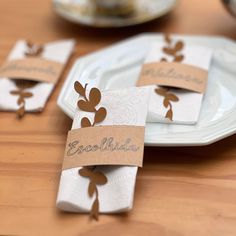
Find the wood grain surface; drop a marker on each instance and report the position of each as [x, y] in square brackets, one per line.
[179, 191]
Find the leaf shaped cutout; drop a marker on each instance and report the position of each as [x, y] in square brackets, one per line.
[94, 96]
[85, 106]
[179, 58]
[28, 54]
[21, 111]
[100, 115]
[169, 51]
[166, 102]
[33, 50]
[99, 178]
[27, 94]
[15, 92]
[163, 59]
[172, 97]
[169, 114]
[23, 84]
[95, 209]
[167, 38]
[85, 172]
[39, 50]
[29, 44]
[161, 91]
[79, 88]
[91, 189]
[20, 101]
[179, 46]
[85, 122]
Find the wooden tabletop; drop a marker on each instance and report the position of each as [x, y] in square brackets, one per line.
[179, 191]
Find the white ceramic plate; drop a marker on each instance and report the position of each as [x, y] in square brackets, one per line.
[79, 11]
[118, 66]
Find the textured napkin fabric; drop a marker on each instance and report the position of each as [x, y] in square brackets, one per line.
[56, 51]
[124, 107]
[186, 110]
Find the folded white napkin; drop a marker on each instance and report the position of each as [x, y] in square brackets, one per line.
[186, 110]
[124, 107]
[56, 51]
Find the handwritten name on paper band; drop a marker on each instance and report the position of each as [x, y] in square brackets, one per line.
[32, 69]
[104, 145]
[174, 75]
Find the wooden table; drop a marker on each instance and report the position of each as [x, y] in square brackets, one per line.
[180, 191]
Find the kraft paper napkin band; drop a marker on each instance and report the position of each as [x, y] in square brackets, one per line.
[174, 74]
[32, 68]
[104, 145]
[30, 73]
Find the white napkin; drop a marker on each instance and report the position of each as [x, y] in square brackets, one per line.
[57, 51]
[187, 109]
[124, 107]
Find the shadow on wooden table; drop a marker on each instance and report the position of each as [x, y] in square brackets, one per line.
[103, 226]
[191, 155]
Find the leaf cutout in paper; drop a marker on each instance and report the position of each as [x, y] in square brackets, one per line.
[84, 172]
[179, 46]
[161, 91]
[23, 84]
[166, 102]
[94, 96]
[20, 100]
[94, 209]
[178, 58]
[21, 111]
[99, 178]
[33, 50]
[168, 51]
[79, 88]
[169, 114]
[85, 122]
[91, 189]
[100, 115]
[167, 38]
[172, 97]
[173, 51]
[163, 60]
[40, 50]
[29, 44]
[15, 92]
[85, 106]
[89, 104]
[27, 94]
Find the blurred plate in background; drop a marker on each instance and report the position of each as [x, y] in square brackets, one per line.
[78, 11]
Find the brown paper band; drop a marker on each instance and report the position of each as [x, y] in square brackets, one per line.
[104, 145]
[32, 69]
[175, 75]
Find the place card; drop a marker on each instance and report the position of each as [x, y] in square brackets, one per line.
[104, 145]
[173, 74]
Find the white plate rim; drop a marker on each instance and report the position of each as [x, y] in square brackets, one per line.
[230, 130]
